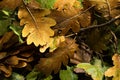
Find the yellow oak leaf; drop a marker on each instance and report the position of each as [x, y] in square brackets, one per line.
[36, 26]
[53, 44]
[115, 70]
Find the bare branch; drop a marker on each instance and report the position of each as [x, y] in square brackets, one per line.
[100, 25]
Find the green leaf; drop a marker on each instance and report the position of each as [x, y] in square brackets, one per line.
[27, 1]
[96, 71]
[18, 31]
[48, 78]
[32, 75]
[80, 1]
[46, 3]
[68, 74]
[4, 26]
[7, 13]
[16, 76]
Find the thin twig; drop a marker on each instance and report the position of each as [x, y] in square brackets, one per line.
[109, 7]
[100, 25]
[115, 40]
[33, 18]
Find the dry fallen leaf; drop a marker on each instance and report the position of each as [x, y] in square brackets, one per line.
[13, 60]
[21, 64]
[115, 70]
[97, 39]
[108, 8]
[55, 59]
[10, 4]
[70, 15]
[37, 27]
[3, 55]
[6, 37]
[61, 4]
[7, 70]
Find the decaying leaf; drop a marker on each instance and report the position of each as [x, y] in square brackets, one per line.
[61, 4]
[37, 27]
[6, 37]
[60, 56]
[98, 39]
[82, 55]
[69, 16]
[96, 71]
[75, 24]
[12, 60]
[3, 55]
[115, 70]
[10, 4]
[21, 64]
[108, 8]
[33, 4]
[7, 70]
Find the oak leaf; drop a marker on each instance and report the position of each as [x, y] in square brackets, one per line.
[55, 59]
[7, 70]
[10, 4]
[61, 4]
[96, 70]
[115, 70]
[70, 15]
[37, 27]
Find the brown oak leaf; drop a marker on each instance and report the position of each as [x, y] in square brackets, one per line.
[70, 15]
[10, 4]
[55, 59]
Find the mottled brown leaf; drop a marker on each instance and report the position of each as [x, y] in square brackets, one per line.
[10, 4]
[69, 16]
[108, 8]
[13, 60]
[98, 39]
[55, 59]
[3, 55]
[21, 64]
[7, 70]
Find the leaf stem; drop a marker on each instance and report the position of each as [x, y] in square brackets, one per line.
[34, 20]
